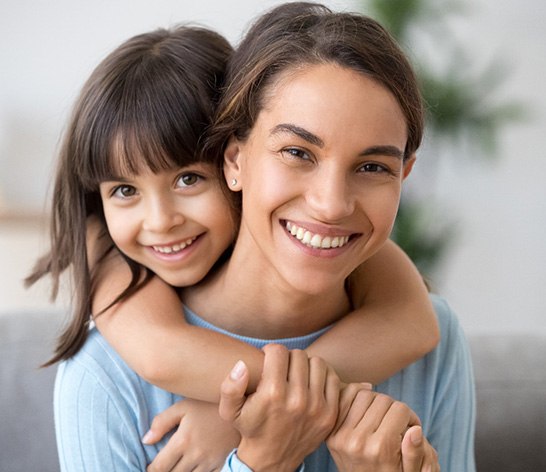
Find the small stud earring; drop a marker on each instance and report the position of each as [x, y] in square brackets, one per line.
[233, 182]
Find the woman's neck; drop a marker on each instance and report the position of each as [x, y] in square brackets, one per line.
[248, 298]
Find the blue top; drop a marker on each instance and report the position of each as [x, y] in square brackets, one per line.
[103, 408]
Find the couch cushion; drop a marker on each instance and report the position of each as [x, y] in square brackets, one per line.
[511, 402]
[27, 435]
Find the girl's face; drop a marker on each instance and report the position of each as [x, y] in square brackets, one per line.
[321, 174]
[176, 222]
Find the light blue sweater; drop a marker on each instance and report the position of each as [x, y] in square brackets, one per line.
[103, 408]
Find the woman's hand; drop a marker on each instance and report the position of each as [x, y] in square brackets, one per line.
[291, 413]
[418, 455]
[375, 432]
[201, 442]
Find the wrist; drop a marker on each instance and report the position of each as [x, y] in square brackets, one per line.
[264, 459]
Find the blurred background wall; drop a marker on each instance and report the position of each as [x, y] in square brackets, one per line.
[493, 271]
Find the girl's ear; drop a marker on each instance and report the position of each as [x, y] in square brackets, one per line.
[232, 168]
[408, 165]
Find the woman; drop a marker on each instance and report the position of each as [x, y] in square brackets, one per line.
[319, 125]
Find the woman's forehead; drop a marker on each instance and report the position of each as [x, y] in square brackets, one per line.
[307, 99]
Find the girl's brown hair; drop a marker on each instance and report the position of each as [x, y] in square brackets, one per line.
[146, 104]
[295, 35]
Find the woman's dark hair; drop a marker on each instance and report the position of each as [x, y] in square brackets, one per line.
[295, 35]
[147, 104]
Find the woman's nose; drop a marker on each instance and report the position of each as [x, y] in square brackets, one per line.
[162, 215]
[330, 197]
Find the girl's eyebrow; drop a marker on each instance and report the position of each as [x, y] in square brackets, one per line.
[115, 178]
[383, 150]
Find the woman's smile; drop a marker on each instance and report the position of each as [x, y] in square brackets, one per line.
[324, 239]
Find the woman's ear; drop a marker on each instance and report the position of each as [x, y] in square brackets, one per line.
[408, 165]
[232, 168]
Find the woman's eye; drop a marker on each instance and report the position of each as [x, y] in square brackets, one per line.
[296, 153]
[124, 191]
[373, 168]
[187, 180]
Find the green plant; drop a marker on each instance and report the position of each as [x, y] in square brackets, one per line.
[462, 108]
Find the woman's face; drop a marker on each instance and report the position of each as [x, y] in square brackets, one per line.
[321, 174]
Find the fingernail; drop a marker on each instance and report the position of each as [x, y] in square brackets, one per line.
[416, 436]
[148, 437]
[366, 385]
[238, 370]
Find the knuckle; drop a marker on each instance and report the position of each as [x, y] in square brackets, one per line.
[317, 362]
[400, 408]
[275, 349]
[227, 388]
[384, 450]
[296, 405]
[365, 394]
[273, 393]
[355, 447]
[353, 389]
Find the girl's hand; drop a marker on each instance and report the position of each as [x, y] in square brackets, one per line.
[291, 413]
[372, 434]
[201, 442]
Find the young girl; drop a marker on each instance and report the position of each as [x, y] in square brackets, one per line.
[131, 150]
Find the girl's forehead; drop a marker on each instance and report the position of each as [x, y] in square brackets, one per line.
[129, 155]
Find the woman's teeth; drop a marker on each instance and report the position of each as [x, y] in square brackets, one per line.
[175, 247]
[314, 240]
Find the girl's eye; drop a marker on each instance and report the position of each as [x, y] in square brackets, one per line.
[124, 191]
[187, 180]
[296, 153]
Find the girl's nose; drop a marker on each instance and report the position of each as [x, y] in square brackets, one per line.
[162, 215]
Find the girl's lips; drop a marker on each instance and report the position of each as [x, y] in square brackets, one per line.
[316, 240]
[174, 248]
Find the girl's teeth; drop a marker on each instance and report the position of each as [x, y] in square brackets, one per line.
[174, 248]
[316, 240]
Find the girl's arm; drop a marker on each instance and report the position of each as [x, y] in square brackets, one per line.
[150, 333]
[393, 325]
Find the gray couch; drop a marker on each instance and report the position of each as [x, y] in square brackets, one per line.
[510, 379]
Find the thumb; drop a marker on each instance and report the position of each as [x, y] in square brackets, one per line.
[232, 392]
[413, 449]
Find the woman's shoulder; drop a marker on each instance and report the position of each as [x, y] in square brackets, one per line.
[97, 367]
[96, 362]
[450, 327]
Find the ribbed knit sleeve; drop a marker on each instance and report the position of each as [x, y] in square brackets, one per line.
[440, 389]
[102, 409]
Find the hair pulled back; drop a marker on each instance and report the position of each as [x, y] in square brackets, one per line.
[295, 35]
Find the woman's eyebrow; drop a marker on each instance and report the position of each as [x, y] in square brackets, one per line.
[383, 150]
[298, 131]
